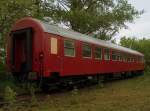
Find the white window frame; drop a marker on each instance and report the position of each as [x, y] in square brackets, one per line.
[107, 55]
[70, 48]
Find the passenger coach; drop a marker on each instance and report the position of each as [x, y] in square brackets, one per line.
[43, 50]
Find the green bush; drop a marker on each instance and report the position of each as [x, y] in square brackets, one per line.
[6, 79]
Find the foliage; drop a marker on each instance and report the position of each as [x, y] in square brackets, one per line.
[141, 45]
[102, 17]
[2, 58]
[11, 11]
[10, 96]
[2, 68]
[33, 97]
[6, 79]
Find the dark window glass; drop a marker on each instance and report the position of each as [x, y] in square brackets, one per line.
[98, 53]
[86, 50]
[114, 57]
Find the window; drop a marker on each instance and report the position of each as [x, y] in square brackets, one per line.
[138, 59]
[133, 59]
[129, 59]
[141, 59]
[69, 48]
[53, 46]
[98, 53]
[86, 50]
[119, 56]
[106, 54]
[125, 58]
[114, 57]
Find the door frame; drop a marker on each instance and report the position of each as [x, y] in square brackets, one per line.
[28, 38]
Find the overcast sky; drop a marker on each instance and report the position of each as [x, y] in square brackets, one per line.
[141, 26]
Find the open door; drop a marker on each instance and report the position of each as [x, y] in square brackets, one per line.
[21, 51]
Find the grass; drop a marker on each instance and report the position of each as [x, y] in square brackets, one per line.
[5, 80]
[123, 95]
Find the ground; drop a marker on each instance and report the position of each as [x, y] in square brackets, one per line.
[120, 95]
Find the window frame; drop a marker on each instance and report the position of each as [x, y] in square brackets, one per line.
[143, 59]
[119, 56]
[114, 54]
[125, 57]
[86, 44]
[108, 59]
[74, 48]
[132, 59]
[101, 53]
[129, 58]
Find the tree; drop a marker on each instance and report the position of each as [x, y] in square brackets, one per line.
[129, 42]
[141, 45]
[102, 17]
[11, 11]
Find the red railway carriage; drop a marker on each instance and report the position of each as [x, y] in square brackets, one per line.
[47, 50]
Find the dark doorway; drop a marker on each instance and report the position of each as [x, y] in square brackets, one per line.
[21, 50]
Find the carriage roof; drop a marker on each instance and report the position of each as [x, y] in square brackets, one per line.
[85, 38]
